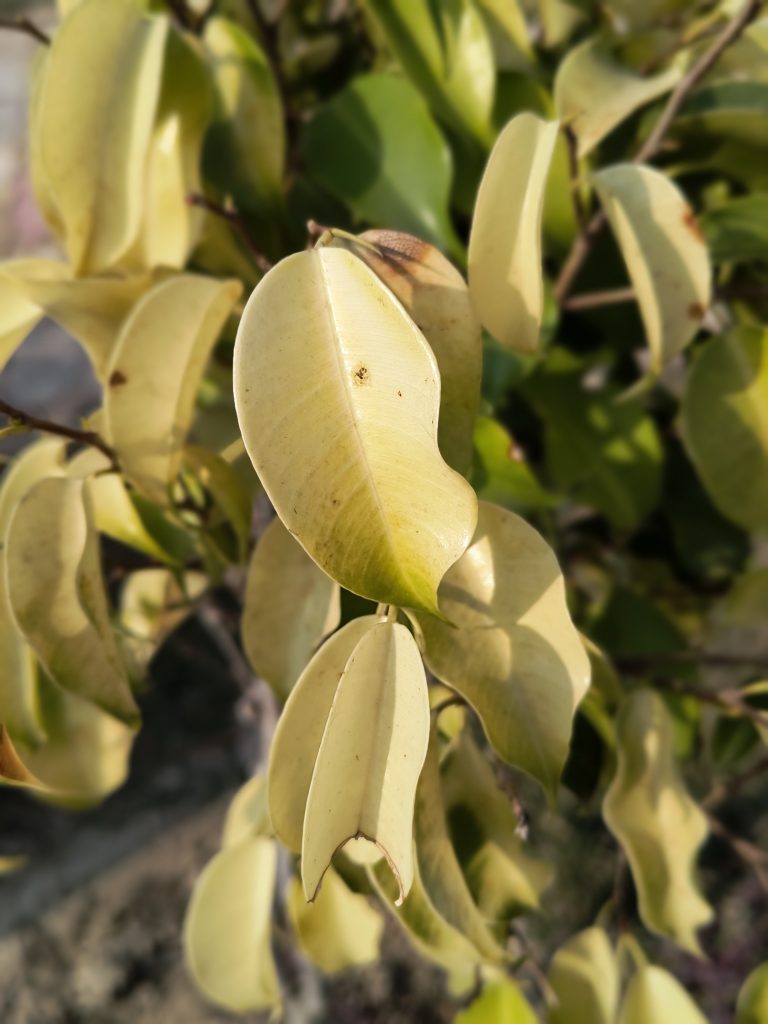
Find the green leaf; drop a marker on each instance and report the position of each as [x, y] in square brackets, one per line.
[509, 33]
[436, 298]
[654, 995]
[500, 473]
[229, 492]
[368, 494]
[584, 975]
[738, 230]
[502, 1002]
[752, 1004]
[664, 251]
[659, 826]
[283, 625]
[18, 315]
[509, 646]
[734, 111]
[505, 270]
[725, 423]
[372, 751]
[375, 147]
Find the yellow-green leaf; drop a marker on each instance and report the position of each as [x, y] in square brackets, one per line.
[12, 768]
[595, 92]
[153, 602]
[510, 648]
[300, 730]
[342, 428]
[752, 1004]
[155, 371]
[653, 996]
[370, 757]
[505, 269]
[290, 605]
[227, 927]
[340, 929]
[584, 975]
[664, 251]
[436, 297]
[248, 814]
[509, 34]
[659, 826]
[502, 1002]
[17, 314]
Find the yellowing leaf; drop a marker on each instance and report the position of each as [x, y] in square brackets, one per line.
[370, 757]
[505, 270]
[501, 1002]
[725, 423]
[154, 374]
[340, 929]
[752, 1004]
[95, 115]
[300, 730]
[657, 823]
[283, 624]
[664, 251]
[654, 995]
[57, 594]
[595, 92]
[511, 649]
[341, 427]
[584, 975]
[436, 298]
[227, 927]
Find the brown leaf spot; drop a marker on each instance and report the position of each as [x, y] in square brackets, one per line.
[696, 311]
[117, 378]
[690, 221]
[361, 375]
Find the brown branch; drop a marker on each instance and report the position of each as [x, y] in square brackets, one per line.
[571, 143]
[237, 222]
[27, 27]
[593, 300]
[728, 788]
[752, 855]
[88, 437]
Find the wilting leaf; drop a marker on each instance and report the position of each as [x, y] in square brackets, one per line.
[584, 975]
[154, 374]
[436, 298]
[300, 730]
[659, 826]
[95, 114]
[501, 1002]
[227, 927]
[283, 624]
[340, 929]
[501, 475]
[664, 251]
[738, 230]
[752, 1004]
[370, 757]
[375, 147]
[595, 92]
[654, 995]
[725, 427]
[57, 594]
[505, 270]
[342, 430]
[511, 649]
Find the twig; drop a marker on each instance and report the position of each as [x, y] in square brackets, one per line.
[731, 786]
[573, 168]
[752, 855]
[237, 222]
[592, 300]
[89, 437]
[28, 27]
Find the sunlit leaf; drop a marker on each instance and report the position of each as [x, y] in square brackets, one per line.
[584, 975]
[283, 624]
[659, 826]
[18, 315]
[501, 1002]
[725, 427]
[510, 648]
[370, 757]
[342, 430]
[505, 270]
[752, 1004]
[654, 995]
[664, 251]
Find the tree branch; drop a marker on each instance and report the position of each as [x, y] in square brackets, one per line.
[237, 222]
[88, 437]
[752, 855]
[27, 27]
[592, 300]
[731, 786]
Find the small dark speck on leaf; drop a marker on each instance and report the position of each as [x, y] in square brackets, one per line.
[117, 378]
[689, 219]
[399, 394]
[361, 374]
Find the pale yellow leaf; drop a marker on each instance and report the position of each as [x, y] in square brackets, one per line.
[505, 263]
[659, 826]
[248, 813]
[654, 996]
[511, 649]
[370, 757]
[17, 314]
[290, 605]
[300, 730]
[154, 374]
[584, 975]
[664, 251]
[337, 394]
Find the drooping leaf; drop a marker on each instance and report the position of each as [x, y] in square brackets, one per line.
[436, 298]
[340, 929]
[300, 730]
[654, 995]
[375, 147]
[227, 927]
[500, 473]
[290, 605]
[725, 424]
[659, 826]
[342, 430]
[370, 757]
[752, 1004]
[505, 270]
[155, 371]
[664, 251]
[584, 975]
[510, 648]
[595, 92]
[502, 1002]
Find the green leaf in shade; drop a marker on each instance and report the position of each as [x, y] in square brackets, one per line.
[376, 148]
[584, 975]
[738, 229]
[500, 473]
[502, 1002]
[732, 111]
